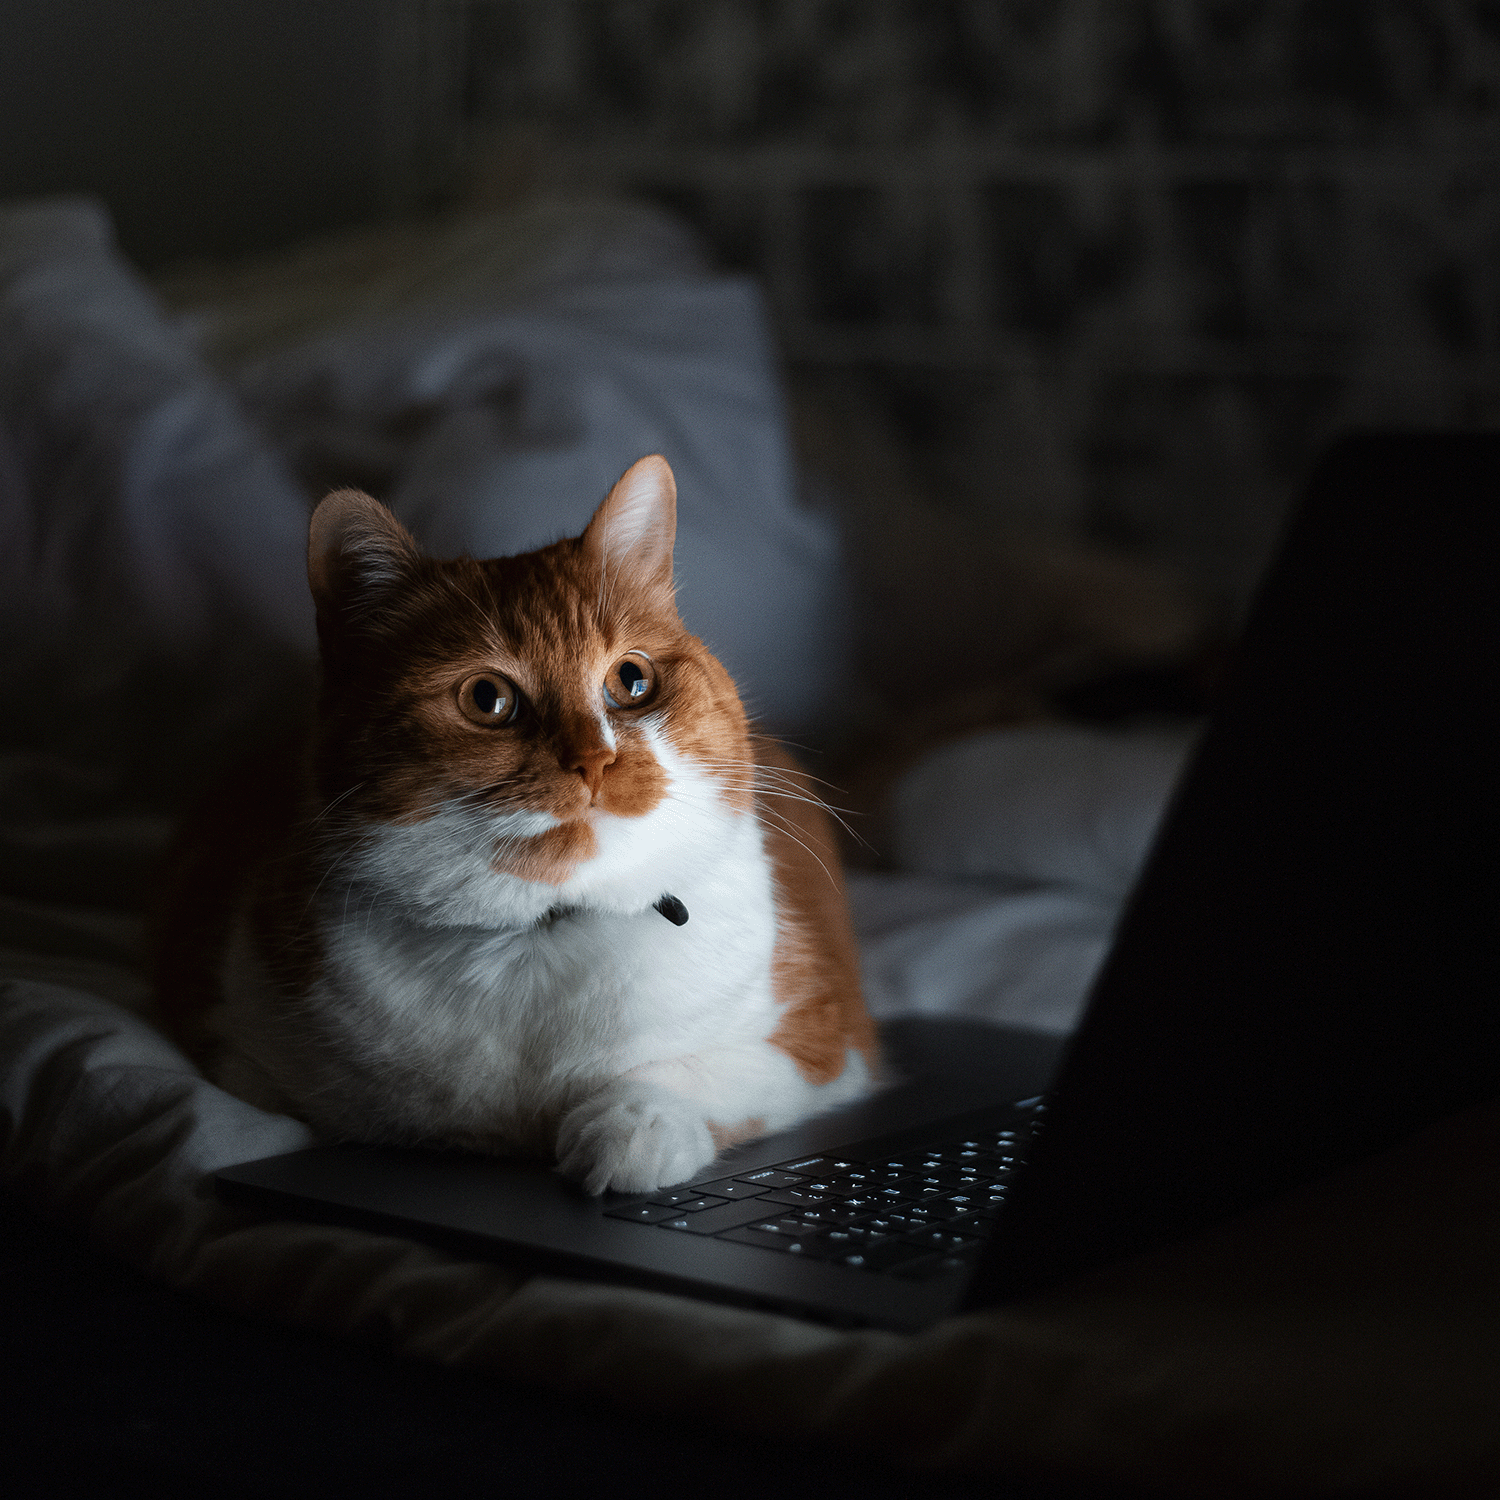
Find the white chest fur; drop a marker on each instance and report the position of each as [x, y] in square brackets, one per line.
[460, 1004]
[505, 1026]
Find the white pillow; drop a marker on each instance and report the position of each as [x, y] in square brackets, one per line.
[1051, 804]
[528, 377]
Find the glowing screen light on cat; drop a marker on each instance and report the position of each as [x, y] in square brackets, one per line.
[443, 941]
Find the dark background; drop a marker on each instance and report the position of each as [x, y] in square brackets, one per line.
[1117, 267]
[1112, 270]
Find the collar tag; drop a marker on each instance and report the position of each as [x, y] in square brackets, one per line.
[672, 909]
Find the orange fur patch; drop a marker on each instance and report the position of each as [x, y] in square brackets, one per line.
[549, 857]
[392, 733]
[815, 969]
[718, 735]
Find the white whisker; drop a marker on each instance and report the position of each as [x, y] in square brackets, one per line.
[349, 792]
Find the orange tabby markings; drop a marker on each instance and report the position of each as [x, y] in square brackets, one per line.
[549, 857]
[340, 945]
[816, 966]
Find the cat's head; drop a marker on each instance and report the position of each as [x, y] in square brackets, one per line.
[544, 708]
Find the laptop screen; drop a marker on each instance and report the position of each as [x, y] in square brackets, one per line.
[1307, 970]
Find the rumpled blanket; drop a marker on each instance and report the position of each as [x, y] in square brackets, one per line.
[1342, 1340]
[153, 611]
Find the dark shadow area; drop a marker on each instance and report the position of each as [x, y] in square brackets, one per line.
[117, 1387]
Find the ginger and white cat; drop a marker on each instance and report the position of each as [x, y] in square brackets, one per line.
[533, 885]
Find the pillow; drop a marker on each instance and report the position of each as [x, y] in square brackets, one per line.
[1043, 803]
[490, 376]
[154, 592]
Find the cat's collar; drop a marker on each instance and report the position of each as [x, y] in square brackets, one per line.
[669, 906]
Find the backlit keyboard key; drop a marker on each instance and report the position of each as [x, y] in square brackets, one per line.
[688, 1203]
[793, 1226]
[729, 1187]
[642, 1213]
[912, 1218]
[817, 1166]
[725, 1216]
[915, 1162]
[798, 1197]
[950, 1177]
[769, 1177]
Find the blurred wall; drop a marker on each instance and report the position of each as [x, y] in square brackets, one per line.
[1113, 268]
[218, 127]
[1118, 267]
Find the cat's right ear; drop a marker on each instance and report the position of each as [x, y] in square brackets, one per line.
[630, 538]
[357, 554]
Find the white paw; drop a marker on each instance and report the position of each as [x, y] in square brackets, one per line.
[633, 1136]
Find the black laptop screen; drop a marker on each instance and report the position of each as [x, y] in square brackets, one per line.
[1307, 970]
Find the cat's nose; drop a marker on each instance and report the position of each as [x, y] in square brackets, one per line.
[589, 762]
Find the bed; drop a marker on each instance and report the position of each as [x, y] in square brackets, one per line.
[489, 376]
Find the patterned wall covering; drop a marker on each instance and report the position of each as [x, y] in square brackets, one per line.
[1115, 267]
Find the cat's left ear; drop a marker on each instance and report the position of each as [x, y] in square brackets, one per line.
[357, 552]
[631, 535]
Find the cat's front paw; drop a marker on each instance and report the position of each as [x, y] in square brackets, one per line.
[633, 1136]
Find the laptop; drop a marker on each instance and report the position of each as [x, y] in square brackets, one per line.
[1306, 973]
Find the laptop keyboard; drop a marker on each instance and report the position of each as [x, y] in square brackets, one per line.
[915, 1214]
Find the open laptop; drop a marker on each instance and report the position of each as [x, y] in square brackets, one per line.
[1306, 973]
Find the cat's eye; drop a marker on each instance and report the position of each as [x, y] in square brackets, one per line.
[487, 698]
[631, 681]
